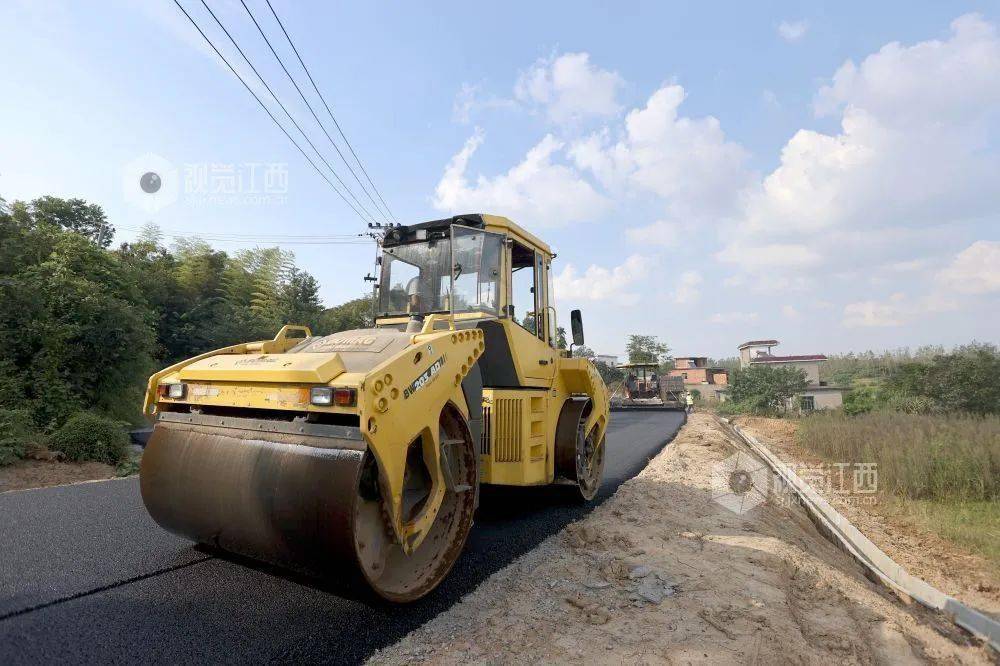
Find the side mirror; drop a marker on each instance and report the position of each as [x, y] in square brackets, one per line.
[576, 324]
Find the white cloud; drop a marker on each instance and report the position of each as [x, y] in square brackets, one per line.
[793, 31]
[661, 232]
[897, 310]
[733, 317]
[910, 168]
[790, 311]
[569, 88]
[907, 266]
[774, 255]
[687, 290]
[687, 162]
[877, 314]
[954, 79]
[976, 269]
[537, 192]
[471, 98]
[917, 150]
[598, 283]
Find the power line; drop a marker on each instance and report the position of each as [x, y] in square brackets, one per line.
[252, 236]
[312, 111]
[289, 115]
[332, 117]
[277, 239]
[266, 110]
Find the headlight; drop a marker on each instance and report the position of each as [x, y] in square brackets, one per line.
[173, 391]
[325, 396]
[321, 395]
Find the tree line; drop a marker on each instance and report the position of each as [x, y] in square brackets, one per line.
[82, 324]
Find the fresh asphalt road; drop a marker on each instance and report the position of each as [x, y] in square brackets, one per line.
[86, 575]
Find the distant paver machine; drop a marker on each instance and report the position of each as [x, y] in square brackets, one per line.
[643, 386]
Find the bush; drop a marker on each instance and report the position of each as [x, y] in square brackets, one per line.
[963, 380]
[730, 408]
[87, 436]
[862, 400]
[17, 432]
[766, 389]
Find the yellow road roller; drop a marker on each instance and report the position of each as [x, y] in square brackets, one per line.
[359, 455]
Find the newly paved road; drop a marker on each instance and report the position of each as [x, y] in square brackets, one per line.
[85, 575]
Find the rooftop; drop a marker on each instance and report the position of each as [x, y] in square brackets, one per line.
[759, 343]
[767, 358]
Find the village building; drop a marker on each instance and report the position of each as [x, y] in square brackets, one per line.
[608, 359]
[818, 395]
[709, 382]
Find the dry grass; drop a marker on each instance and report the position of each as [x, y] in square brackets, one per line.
[972, 525]
[943, 471]
[920, 457]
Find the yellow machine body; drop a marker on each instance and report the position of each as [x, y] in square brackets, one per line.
[248, 455]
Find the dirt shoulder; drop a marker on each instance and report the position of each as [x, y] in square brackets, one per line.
[943, 564]
[26, 474]
[662, 573]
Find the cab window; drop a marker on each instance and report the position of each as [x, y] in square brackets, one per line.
[550, 311]
[522, 308]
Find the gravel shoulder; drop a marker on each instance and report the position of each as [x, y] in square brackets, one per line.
[953, 570]
[26, 474]
[664, 573]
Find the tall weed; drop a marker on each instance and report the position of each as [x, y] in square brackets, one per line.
[919, 456]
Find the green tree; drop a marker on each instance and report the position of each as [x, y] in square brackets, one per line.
[766, 388]
[966, 379]
[609, 374]
[75, 330]
[74, 215]
[583, 351]
[356, 313]
[863, 399]
[961, 381]
[646, 349]
[729, 363]
[299, 299]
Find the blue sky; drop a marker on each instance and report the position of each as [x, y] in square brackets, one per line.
[707, 174]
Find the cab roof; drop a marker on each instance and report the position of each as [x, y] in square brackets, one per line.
[494, 223]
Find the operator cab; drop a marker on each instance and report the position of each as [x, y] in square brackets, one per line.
[642, 380]
[477, 271]
[471, 267]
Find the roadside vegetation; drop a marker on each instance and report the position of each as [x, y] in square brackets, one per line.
[929, 420]
[83, 325]
[947, 457]
[939, 470]
[763, 390]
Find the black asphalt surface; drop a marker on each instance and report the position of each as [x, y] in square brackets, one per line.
[85, 575]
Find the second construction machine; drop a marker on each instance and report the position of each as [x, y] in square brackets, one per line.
[359, 455]
[645, 387]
